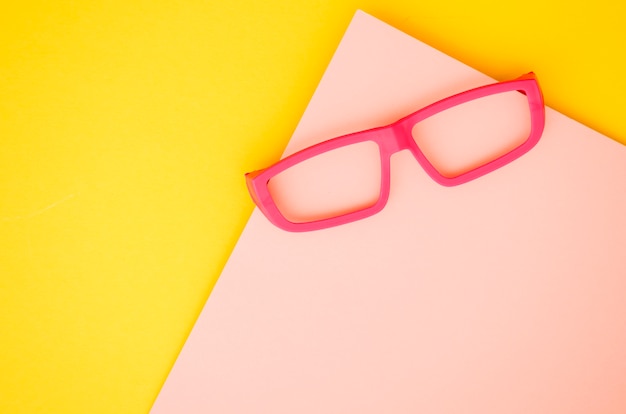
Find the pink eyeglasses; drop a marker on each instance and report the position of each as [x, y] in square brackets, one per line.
[455, 140]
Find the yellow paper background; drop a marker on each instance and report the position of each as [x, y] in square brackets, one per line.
[125, 130]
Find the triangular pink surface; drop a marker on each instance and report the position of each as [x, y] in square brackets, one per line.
[503, 295]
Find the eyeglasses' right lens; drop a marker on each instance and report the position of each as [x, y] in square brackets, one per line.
[331, 184]
[474, 133]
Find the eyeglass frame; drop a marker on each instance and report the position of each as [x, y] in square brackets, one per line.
[391, 139]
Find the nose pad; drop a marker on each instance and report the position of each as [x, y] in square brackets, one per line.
[406, 178]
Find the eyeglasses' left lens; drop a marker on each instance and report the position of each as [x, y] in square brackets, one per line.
[474, 133]
[331, 184]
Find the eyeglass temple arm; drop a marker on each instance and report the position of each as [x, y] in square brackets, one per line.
[529, 75]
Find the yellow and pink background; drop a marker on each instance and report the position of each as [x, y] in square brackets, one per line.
[125, 130]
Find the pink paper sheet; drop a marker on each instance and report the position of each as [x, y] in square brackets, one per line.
[503, 295]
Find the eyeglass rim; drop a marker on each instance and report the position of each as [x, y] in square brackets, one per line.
[387, 139]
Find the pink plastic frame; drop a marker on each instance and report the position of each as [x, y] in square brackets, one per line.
[397, 137]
